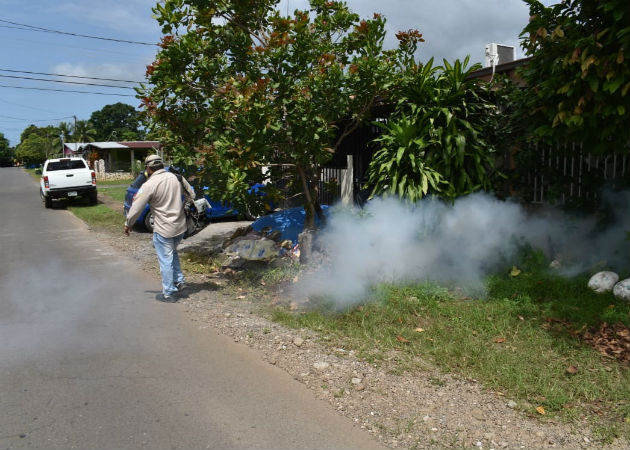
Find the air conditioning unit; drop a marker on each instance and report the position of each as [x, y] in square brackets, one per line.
[498, 54]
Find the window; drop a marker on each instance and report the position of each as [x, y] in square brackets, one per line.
[66, 164]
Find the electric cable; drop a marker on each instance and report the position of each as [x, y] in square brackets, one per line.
[68, 76]
[48, 30]
[65, 90]
[65, 82]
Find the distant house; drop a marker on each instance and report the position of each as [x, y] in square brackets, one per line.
[73, 148]
[118, 156]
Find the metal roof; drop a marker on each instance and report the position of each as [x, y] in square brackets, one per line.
[105, 145]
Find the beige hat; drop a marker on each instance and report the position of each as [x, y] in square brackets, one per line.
[153, 160]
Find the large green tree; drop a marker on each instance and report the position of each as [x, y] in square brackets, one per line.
[116, 122]
[7, 153]
[237, 86]
[33, 149]
[578, 77]
[49, 141]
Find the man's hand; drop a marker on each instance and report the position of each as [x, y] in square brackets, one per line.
[127, 229]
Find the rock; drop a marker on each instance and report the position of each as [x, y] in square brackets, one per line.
[555, 264]
[511, 404]
[298, 341]
[478, 414]
[356, 380]
[321, 365]
[603, 281]
[622, 290]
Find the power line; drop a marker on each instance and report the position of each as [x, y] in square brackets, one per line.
[65, 90]
[68, 76]
[65, 82]
[48, 30]
[35, 120]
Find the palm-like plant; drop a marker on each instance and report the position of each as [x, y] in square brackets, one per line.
[84, 131]
[436, 139]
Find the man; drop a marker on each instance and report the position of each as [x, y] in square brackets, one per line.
[164, 194]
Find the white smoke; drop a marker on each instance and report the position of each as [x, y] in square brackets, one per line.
[457, 244]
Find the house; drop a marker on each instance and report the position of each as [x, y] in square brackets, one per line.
[119, 156]
[73, 148]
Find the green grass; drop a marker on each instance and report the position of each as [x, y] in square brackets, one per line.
[99, 217]
[115, 193]
[125, 181]
[519, 340]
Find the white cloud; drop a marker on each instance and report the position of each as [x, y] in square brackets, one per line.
[132, 72]
[451, 28]
[129, 17]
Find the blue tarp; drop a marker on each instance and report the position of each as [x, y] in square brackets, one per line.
[290, 222]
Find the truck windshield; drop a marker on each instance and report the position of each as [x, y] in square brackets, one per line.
[65, 164]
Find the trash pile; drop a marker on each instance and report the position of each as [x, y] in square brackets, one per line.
[268, 238]
[250, 247]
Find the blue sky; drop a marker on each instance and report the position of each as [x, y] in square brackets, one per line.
[452, 29]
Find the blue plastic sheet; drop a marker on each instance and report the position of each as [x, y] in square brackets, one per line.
[289, 222]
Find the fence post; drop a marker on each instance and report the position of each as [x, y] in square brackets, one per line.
[347, 182]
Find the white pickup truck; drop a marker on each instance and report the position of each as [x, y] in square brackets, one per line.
[67, 178]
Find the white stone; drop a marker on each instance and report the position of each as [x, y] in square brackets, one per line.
[622, 290]
[603, 281]
[356, 380]
[321, 365]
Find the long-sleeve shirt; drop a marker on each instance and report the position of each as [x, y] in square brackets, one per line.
[163, 192]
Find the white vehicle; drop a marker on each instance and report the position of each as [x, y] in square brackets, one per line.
[67, 178]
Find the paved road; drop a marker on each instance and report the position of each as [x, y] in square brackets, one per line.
[89, 359]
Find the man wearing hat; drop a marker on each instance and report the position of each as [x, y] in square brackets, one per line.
[164, 193]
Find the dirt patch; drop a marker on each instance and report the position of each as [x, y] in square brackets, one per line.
[424, 409]
[114, 205]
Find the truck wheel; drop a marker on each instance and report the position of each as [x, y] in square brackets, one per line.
[93, 198]
[47, 200]
[148, 222]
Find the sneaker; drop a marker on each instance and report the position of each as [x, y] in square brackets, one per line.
[180, 286]
[165, 298]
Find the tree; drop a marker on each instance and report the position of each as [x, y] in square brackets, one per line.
[32, 150]
[578, 77]
[7, 153]
[49, 138]
[116, 122]
[237, 86]
[437, 139]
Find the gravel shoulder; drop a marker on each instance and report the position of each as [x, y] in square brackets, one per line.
[426, 409]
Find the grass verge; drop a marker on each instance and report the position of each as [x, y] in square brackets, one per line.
[124, 181]
[523, 339]
[115, 193]
[98, 217]
[101, 217]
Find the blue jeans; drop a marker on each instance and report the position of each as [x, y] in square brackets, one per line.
[166, 249]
